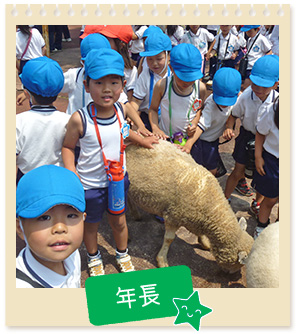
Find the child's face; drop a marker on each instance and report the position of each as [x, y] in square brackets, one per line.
[251, 32]
[184, 87]
[55, 235]
[105, 91]
[262, 92]
[225, 29]
[194, 29]
[157, 63]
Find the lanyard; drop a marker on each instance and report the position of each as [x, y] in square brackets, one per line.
[34, 274]
[122, 146]
[170, 106]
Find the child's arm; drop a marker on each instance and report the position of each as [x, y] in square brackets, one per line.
[158, 92]
[131, 112]
[74, 131]
[142, 141]
[259, 161]
[228, 133]
[209, 53]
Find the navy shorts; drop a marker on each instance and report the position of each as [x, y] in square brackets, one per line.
[97, 201]
[206, 153]
[240, 154]
[268, 185]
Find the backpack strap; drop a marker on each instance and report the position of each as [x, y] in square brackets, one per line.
[22, 276]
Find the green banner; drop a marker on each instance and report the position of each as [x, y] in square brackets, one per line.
[138, 295]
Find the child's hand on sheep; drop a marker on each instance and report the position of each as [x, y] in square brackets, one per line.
[148, 142]
[144, 132]
[160, 134]
[186, 148]
[228, 134]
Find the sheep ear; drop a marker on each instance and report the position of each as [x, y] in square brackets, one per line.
[242, 256]
[243, 224]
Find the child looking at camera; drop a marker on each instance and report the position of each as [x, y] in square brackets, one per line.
[180, 96]
[50, 214]
[100, 128]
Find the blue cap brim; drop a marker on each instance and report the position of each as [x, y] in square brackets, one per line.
[150, 53]
[189, 76]
[225, 101]
[258, 81]
[103, 73]
[39, 207]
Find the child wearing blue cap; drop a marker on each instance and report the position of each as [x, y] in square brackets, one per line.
[50, 208]
[40, 131]
[204, 144]
[156, 51]
[264, 81]
[100, 128]
[180, 96]
[257, 46]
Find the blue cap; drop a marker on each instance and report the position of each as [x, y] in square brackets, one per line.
[247, 28]
[265, 71]
[226, 86]
[155, 44]
[150, 30]
[43, 76]
[102, 62]
[93, 41]
[186, 61]
[45, 187]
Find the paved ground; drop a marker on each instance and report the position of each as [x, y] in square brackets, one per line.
[146, 236]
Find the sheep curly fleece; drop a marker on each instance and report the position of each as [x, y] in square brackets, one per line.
[167, 182]
[262, 265]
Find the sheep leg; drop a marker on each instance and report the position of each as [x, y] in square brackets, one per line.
[203, 242]
[168, 239]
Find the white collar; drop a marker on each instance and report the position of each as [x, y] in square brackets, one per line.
[54, 279]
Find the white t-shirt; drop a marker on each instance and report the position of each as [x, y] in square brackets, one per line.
[267, 127]
[200, 39]
[40, 274]
[39, 137]
[142, 87]
[176, 37]
[35, 46]
[248, 108]
[182, 113]
[137, 45]
[226, 45]
[213, 120]
[130, 77]
[260, 47]
[90, 166]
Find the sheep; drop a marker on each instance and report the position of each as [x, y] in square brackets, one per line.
[167, 182]
[262, 264]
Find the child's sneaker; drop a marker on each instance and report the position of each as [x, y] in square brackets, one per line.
[254, 208]
[124, 263]
[95, 266]
[243, 188]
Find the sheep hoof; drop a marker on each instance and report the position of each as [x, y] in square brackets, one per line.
[161, 263]
[203, 242]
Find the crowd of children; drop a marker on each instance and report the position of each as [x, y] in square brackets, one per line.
[136, 84]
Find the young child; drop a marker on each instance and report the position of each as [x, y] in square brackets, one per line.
[98, 128]
[264, 78]
[50, 215]
[199, 37]
[41, 130]
[257, 47]
[204, 144]
[266, 176]
[180, 96]
[157, 58]
[226, 48]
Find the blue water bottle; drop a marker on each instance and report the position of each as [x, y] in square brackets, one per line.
[116, 191]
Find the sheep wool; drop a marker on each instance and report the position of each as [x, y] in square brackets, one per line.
[262, 264]
[167, 182]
